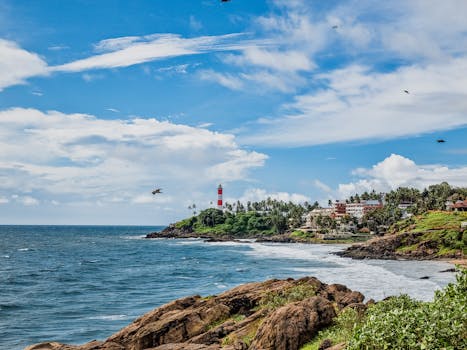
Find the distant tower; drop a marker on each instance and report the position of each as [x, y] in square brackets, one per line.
[219, 197]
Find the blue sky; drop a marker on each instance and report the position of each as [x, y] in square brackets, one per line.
[100, 101]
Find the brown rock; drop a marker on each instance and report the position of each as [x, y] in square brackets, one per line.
[339, 346]
[234, 320]
[325, 344]
[291, 326]
[185, 346]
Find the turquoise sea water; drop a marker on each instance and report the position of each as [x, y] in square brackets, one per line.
[74, 284]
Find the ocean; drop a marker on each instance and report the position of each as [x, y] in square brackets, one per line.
[73, 284]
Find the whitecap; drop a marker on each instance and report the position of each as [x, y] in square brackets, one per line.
[24, 249]
[6, 256]
[376, 279]
[110, 317]
[134, 237]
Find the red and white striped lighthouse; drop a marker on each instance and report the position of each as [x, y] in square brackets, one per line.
[219, 197]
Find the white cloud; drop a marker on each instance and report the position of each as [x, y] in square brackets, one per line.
[4, 200]
[128, 51]
[80, 158]
[288, 61]
[25, 200]
[359, 103]
[398, 171]
[259, 194]
[195, 24]
[322, 186]
[148, 198]
[228, 80]
[17, 64]
[205, 125]
[58, 47]
[178, 69]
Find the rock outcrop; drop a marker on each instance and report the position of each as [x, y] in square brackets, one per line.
[389, 247]
[276, 315]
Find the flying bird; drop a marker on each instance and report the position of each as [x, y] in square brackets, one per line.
[225, 0]
[335, 26]
[407, 91]
[440, 141]
[157, 190]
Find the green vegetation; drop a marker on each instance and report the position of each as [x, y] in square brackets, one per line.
[275, 299]
[439, 229]
[302, 234]
[432, 198]
[259, 218]
[403, 323]
[272, 217]
[341, 331]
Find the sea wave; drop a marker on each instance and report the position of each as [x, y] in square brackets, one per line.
[110, 317]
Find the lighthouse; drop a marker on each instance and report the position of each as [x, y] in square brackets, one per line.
[219, 197]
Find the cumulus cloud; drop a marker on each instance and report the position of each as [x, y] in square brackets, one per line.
[398, 171]
[259, 194]
[17, 64]
[79, 157]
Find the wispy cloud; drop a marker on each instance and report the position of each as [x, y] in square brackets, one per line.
[228, 80]
[322, 186]
[195, 24]
[359, 103]
[129, 51]
[58, 47]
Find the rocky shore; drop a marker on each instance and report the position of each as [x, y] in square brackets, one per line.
[276, 314]
[407, 245]
[173, 232]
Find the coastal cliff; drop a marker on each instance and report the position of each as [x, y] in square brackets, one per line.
[276, 314]
[433, 235]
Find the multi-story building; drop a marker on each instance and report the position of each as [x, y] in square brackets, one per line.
[359, 209]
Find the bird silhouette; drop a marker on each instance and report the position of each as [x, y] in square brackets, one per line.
[157, 190]
[440, 141]
[407, 91]
[335, 26]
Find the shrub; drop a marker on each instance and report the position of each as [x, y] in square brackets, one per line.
[403, 323]
[341, 330]
[275, 299]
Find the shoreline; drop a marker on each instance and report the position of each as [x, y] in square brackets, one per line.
[457, 262]
[288, 239]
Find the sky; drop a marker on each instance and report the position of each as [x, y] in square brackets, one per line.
[298, 100]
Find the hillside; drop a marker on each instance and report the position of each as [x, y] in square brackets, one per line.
[432, 235]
